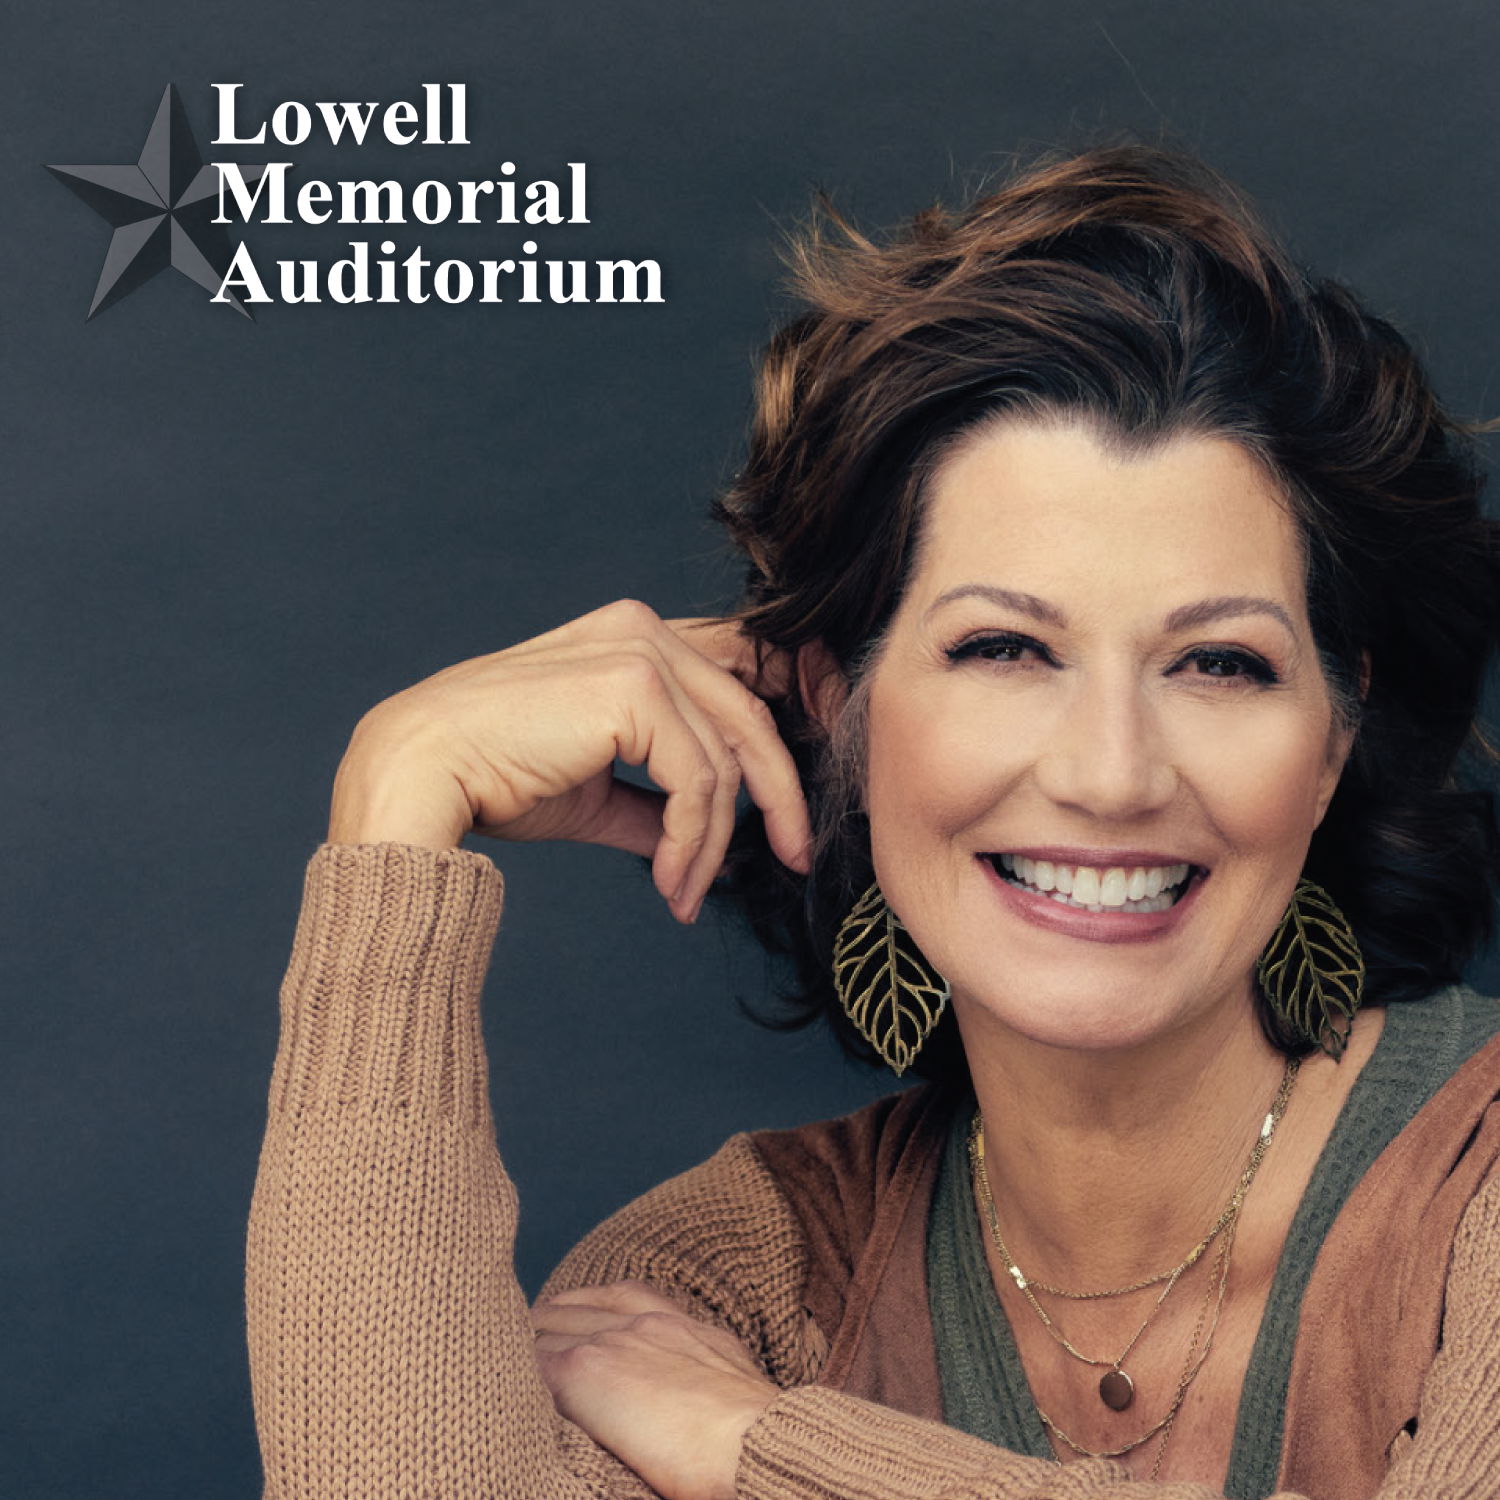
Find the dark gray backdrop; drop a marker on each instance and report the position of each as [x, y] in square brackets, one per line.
[221, 542]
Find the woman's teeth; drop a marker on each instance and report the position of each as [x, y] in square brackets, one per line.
[1142, 889]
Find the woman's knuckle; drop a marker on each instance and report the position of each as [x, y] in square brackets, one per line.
[630, 615]
[588, 1355]
[702, 782]
[639, 673]
[656, 1321]
[759, 713]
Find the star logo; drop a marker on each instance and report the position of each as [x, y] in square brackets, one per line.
[162, 210]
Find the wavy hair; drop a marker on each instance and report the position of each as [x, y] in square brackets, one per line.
[1133, 286]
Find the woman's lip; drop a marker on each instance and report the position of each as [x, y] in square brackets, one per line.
[1093, 926]
[1100, 859]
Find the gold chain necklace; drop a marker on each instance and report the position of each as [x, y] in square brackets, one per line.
[1195, 1360]
[1171, 1274]
[1116, 1388]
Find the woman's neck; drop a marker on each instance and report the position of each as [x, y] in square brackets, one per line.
[1109, 1166]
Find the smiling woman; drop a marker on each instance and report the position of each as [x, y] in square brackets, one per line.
[1106, 689]
[1112, 737]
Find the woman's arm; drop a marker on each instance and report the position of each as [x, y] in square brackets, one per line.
[391, 1347]
[392, 1351]
[390, 1344]
[384, 1324]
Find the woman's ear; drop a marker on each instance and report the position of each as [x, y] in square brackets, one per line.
[821, 684]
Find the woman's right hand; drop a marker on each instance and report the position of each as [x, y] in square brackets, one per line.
[521, 744]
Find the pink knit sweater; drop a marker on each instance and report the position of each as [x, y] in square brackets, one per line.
[390, 1343]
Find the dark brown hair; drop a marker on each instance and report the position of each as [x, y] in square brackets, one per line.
[1132, 286]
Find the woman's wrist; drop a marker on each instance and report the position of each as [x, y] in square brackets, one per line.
[390, 789]
[388, 821]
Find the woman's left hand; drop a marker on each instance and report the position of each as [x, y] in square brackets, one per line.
[669, 1395]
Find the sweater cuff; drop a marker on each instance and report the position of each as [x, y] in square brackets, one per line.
[813, 1442]
[380, 1004]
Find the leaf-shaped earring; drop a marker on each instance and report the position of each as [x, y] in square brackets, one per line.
[1312, 972]
[887, 988]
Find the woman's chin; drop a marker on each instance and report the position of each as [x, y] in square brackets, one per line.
[1065, 1018]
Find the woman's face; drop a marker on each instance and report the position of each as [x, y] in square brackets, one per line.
[1102, 672]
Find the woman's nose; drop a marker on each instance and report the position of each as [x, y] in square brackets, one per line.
[1107, 753]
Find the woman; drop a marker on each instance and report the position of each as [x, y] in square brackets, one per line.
[1118, 609]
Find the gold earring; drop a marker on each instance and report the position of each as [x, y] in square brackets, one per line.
[1312, 972]
[888, 990]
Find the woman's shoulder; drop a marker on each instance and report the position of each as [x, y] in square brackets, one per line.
[698, 1221]
[1464, 1109]
[1435, 1079]
[1473, 1016]
[721, 1240]
[882, 1129]
[841, 1174]
[1430, 1083]
[1442, 1053]
[759, 1183]
[1378, 1291]
[733, 1237]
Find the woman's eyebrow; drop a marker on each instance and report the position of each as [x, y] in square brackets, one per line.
[1190, 616]
[1186, 617]
[1026, 604]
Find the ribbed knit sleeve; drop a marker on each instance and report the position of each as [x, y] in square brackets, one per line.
[812, 1443]
[390, 1344]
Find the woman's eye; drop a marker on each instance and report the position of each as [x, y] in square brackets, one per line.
[997, 648]
[1231, 664]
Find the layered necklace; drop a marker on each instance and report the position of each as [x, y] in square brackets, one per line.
[1116, 1386]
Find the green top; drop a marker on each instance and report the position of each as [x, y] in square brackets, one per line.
[985, 1391]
